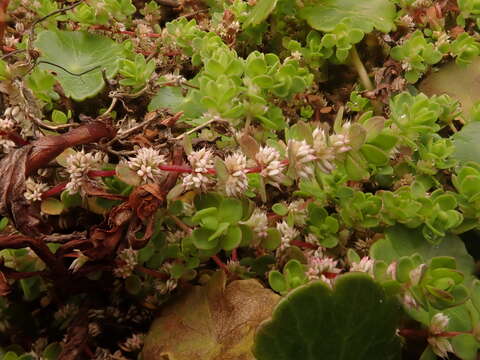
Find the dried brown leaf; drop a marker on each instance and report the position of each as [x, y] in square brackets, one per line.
[211, 322]
[18, 164]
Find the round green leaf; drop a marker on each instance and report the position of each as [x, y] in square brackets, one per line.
[133, 284]
[51, 206]
[167, 97]
[354, 321]
[77, 52]
[467, 146]
[260, 12]
[232, 239]
[201, 239]
[277, 281]
[280, 209]
[324, 15]
[273, 239]
[3, 223]
[230, 211]
[52, 351]
[375, 155]
[401, 241]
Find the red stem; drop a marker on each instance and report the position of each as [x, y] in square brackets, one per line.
[13, 136]
[303, 244]
[101, 173]
[171, 168]
[57, 189]
[155, 274]
[176, 168]
[234, 255]
[424, 333]
[220, 263]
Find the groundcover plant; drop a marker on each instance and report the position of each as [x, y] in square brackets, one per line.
[240, 180]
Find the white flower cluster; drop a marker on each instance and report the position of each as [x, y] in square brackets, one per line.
[288, 234]
[94, 329]
[440, 344]
[7, 145]
[78, 166]
[324, 153]
[176, 237]
[6, 124]
[236, 183]
[174, 78]
[258, 222]
[298, 209]
[34, 190]
[66, 312]
[126, 262]
[341, 141]
[365, 265]
[201, 162]
[165, 287]
[272, 167]
[323, 268]
[301, 155]
[133, 343]
[80, 260]
[146, 164]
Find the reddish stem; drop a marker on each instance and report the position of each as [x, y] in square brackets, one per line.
[17, 139]
[255, 169]
[303, 244]
[8, 48]
[170, 168]
[220, 263]
[101, 173]
[234, 255]
[424, 333]
[57, 189]
[330, 275]
[155, 274]
[176, 168]
[3, 18]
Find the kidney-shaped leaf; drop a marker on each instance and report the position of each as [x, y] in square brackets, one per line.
[355, 320]
[366, 15]
[467, 144]
[260, 12]
[75, 53]
[215, 321]
[400, 241]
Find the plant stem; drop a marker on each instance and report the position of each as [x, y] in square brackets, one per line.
[360, 68]
[303, 244]
[220, 263]
[57, 189]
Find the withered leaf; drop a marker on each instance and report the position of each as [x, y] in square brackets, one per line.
[77, 337]
[211, 322]
[20, 163]
[145, 200]
[26, 218]
[4, 287]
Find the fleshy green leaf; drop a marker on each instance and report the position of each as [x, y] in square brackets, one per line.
[168, 97]
[52, 351]
[467, 146]
[77, 52]
[355, 320]
[260, 12]
[324, 15]
[51, 206]
[401, 241]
